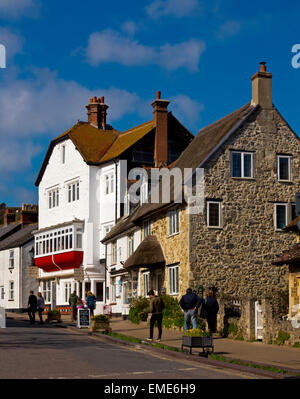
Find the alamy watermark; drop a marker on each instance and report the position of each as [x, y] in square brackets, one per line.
[2, 56]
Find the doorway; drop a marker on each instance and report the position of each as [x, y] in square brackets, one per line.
[258, 321]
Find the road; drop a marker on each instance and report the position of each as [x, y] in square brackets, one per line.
[49, 352]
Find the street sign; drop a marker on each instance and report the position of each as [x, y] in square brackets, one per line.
[83, 318]
[33, 271]
[297, 204]
[79, 274]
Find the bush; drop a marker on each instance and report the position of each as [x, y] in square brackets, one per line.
[282, 337]
[138, 306]
[172, 313]
[101, 318]
[53, 312]
[198, 332]
[233, 329]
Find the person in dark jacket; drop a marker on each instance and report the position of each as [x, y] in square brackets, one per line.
[73, 302]
[91, 302]
[156, 308]
[40, 306]
[190, 303]
[32, 307]
[211, 310]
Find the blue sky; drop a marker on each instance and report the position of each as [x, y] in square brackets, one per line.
[200, 54]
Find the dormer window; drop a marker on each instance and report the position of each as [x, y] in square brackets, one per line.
[284, 167]
[242, 164]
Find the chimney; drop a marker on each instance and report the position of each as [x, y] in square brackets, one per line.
[160, 119]
[262, 87]
[9, 216]
[28, 214]
[96, 111]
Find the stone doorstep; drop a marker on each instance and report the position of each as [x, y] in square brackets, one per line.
[179, 355]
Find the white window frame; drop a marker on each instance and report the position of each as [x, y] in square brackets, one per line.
[278, 167]
[243, 153]
[53, 198]
[11, 259]
[109, 184]
[146, 283]
[174, 279]
[173, 222]
[114, 253]
[126, 204]
[207, 214]
[63, 154]
[73, 191]
[68, 291]
[46, 290]
[130, 244]
[147, 228]
[11, 290]
[144, 193]
[275, 214]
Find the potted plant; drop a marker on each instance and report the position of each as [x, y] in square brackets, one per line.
[53, 315]
[143, 316]
[100, 322]
[197, 338]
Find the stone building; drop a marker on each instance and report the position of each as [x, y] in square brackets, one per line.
[251, 161]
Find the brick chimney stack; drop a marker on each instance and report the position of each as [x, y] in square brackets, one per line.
[262, 87]
[29, 214]
[9, 216]
[96, 111]
[160, 119]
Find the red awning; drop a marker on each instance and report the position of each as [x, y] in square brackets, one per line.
[62, 261]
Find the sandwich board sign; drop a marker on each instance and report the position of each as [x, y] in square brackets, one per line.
[83, 318]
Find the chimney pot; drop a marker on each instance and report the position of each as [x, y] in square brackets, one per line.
[158, 93]
[262, 87]
[263, 67]
[102, 100]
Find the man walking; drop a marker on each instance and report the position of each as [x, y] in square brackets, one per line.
[73, 302]
[156, 307]
[190, 303]
[211, 308]
[32, 307]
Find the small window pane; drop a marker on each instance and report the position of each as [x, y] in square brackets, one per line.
[213, 214]
[280, 216]
[247, 165]
[284, 168]
[236, 165]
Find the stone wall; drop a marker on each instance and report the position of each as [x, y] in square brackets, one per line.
[237, 258]
[175, 248]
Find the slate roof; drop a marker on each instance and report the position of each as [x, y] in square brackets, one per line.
[19, 238]
[9, 229]
[290, 257]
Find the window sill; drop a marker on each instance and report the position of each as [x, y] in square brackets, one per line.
[215, 227]
[172, 235]
[284, 181]
[174, 294]
[243, 178]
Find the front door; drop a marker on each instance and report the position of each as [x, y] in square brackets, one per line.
[258, 321]
[158, 283]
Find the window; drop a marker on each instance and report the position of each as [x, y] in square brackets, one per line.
[53, 198]
[293, 211]
[114, 253]
[280, 216]
[173, 279]
[127, 204]
[46, 290]
[173, 221]
[130, 245]
[68, 290]
[99, 291]
[109, 183]
[147, 228]
[146, 277]
[144, 192]
[214, 214]
[63, 154]
[284, 167]
[73, 192]
[59, 240]
[242, 164]
[11, 259]
[2, 293]
[79, 238]
[11, 292]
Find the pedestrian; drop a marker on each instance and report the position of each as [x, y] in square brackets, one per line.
[211, 309]
[32, 307]
[156, 308]
[73, 302]
[190, 303]
[40, 306]
[91, 302]
[79, 303]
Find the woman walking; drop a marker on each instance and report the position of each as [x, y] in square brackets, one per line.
[91, 302]
[40, 306]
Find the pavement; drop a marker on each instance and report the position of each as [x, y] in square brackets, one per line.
[257, 352]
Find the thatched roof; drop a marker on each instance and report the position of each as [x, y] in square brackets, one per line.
[148, 254]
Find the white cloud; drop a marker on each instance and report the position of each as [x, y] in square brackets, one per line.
[228, 29]
[111, 46]
[17, 8]
[12, 42]
[186, 109]
[130, 28]
[16, 156]
[175, 8]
